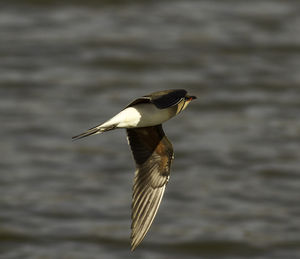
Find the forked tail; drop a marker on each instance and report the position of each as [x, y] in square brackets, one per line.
[93, 131]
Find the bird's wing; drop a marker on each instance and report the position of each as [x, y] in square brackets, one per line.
[162, 99]
[153, 153]
[168, 98]
[144, 99]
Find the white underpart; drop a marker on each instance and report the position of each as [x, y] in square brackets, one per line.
[141, 115]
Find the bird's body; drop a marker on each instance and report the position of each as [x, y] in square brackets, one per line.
[152, 151]
[140, 115]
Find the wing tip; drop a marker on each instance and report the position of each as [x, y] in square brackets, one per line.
[133, 246]
[140, 229]
[136, 240]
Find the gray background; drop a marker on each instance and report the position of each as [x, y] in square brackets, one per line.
[235, 184]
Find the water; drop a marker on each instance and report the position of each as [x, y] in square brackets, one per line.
[235, 183]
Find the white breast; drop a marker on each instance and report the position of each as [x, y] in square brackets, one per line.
[151, 115]
[141, 115]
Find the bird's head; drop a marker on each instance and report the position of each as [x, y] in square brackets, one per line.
[185, 102]
[189, 98]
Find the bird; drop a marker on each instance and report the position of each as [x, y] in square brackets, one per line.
[151, 150]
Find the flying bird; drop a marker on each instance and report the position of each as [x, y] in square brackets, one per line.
[151, 149]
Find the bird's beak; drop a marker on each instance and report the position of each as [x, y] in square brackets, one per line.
[192, 98]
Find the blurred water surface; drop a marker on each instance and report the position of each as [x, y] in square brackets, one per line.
[235, 184]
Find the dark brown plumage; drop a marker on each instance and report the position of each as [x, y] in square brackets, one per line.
[153, 153]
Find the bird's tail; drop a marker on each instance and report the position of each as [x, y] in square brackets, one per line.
[95, 130]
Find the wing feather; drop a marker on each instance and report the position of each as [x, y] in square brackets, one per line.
[161, 99]
[153, 153]
[168, 98]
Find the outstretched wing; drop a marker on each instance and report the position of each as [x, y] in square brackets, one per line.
[153, 153]
[168, 98]
[162, 99]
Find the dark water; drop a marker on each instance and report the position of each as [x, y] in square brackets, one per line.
[235, 185]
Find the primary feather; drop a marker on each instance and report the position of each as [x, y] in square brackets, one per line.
[153, 154]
